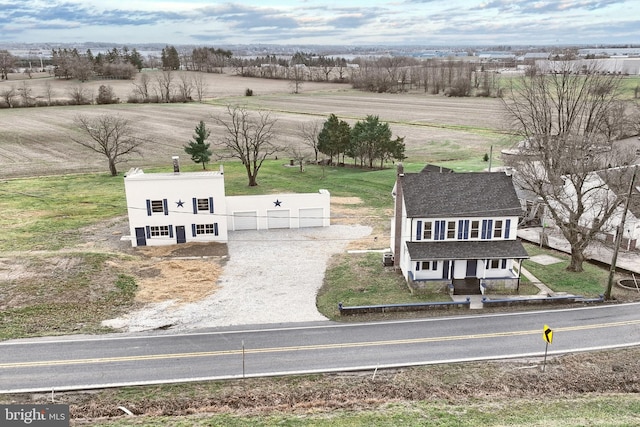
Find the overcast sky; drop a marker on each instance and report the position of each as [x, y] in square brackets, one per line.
[309, 22]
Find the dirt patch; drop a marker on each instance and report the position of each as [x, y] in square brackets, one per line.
[184, 273]
[181, 280]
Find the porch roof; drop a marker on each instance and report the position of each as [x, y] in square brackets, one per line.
[486, 249]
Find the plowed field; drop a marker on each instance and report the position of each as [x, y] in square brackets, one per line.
[37, 141]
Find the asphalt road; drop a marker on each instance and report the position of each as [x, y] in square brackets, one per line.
[80, 362]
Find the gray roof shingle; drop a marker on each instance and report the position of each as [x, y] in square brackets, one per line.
[474, 194]
[464, 249]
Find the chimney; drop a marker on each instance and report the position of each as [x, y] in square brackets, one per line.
[176, 164]
[397, 243]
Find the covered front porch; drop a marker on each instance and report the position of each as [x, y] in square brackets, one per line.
[463, 267]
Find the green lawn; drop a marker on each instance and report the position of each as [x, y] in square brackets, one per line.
[590, 283]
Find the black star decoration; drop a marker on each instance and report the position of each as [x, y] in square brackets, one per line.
[277, 202]
[180, 204]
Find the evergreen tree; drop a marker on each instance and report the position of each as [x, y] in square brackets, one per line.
[198, 149]
[371, 141]
[334, 137]
[170, 58]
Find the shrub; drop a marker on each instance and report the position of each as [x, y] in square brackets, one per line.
[248, 92]
[106, 96]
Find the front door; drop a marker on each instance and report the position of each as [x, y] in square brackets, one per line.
[472, 267]
[181, 236]
[141, 237]
[445, 269]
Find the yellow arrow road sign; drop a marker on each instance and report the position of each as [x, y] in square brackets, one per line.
[547, 334]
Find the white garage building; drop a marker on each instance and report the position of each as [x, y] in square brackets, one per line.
[180, 207]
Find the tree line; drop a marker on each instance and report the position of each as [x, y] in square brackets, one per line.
[250, 137]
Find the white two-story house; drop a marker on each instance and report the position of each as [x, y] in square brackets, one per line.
[456, 230]
[170, 208]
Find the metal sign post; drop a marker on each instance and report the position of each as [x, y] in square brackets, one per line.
[547, 335]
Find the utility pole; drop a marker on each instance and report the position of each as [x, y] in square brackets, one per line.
[619, 231]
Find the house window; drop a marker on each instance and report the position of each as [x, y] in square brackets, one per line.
[202, 205]
[207, 229]
[497, 229]
[426, 265]
[451, 230]
[157, 206]
[475, 229]
[426, 235]
[159, 231]
[496, 264]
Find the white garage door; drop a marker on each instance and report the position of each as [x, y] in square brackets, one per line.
[245, 220]
[278, 219]
[311, 217]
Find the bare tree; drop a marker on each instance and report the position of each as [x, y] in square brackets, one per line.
[152, 61]
[165, 85]
[563, 119]
[185, 86]
[248, 138]
[200, 86]
[49, 92]
[81, 68]
[109, 135]
[8, 95]
[79, 95]
[142, 86]
[7, 61]
[298, 153]
[296, 75]
[309, 132]
[26, 92]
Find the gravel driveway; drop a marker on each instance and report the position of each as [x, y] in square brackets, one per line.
[272, 276]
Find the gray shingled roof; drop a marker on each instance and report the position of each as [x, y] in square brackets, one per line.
[464, 249]
[475, 194]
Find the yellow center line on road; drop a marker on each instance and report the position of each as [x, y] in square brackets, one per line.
[120, 359]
